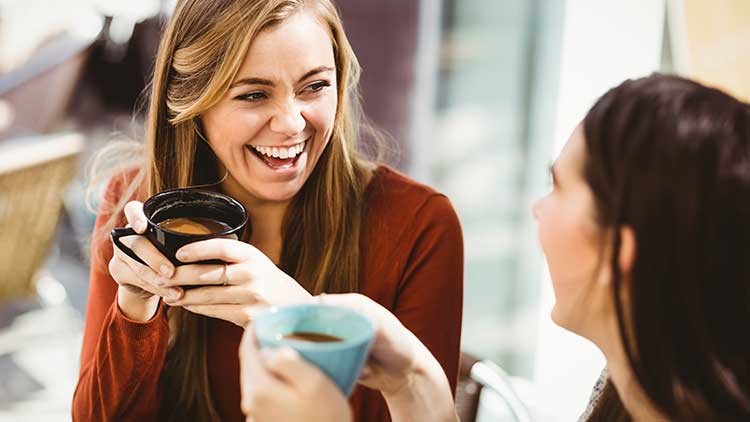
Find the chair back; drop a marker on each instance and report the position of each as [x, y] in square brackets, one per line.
[467, 390]
[34, 174]
[476, 376]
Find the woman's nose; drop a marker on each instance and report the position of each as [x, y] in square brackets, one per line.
[535, 208]
[288, 120]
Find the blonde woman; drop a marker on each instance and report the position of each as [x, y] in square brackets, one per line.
[258, 98]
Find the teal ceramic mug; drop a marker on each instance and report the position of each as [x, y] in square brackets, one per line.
[335, 339]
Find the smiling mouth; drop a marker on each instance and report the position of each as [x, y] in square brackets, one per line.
[279, 158]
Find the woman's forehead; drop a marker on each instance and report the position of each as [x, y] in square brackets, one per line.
[290, 49]
[571, 157]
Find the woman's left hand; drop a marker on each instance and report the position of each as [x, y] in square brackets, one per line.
[237, 291]
[278, 385]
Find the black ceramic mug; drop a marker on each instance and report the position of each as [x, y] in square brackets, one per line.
[180, 216]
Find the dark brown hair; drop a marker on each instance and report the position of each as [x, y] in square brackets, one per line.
[670, 158]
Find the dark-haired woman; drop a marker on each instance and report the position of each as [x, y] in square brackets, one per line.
[646, 236]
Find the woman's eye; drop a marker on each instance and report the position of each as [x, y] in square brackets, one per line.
[253, 96]
[318, 86]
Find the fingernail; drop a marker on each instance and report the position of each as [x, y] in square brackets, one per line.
[182, 255]
[286, 353]
[173, 294]
[166, 270]
[267, 354]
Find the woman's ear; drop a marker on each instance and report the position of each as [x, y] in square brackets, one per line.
[628, 250]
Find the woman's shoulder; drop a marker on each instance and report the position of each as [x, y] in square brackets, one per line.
[118, 189]
[390, 184]
[396, 199]
[110, 194]
[596, 395]
[128, 182]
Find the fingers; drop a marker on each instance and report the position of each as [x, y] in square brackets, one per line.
[288, 366]
[125, 271]
[219, 295]
[205, 274]
[297, 373]
[256, 382]
[357, 302]
[135, 216]
[353, 301]
[146, 250]
[227, 250]
[366, 372]
[140, 271]
[249, 371]
[239, 315]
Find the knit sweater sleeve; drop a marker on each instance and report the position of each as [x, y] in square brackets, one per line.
[121, 359]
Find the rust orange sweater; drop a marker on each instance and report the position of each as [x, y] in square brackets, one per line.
[412, 264]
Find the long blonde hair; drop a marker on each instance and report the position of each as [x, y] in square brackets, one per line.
[201, 51]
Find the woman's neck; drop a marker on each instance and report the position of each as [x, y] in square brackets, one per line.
[265, 218]
[266, 223]
[633, 398]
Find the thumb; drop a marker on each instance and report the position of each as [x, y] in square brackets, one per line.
[291, 368]
[135, 216]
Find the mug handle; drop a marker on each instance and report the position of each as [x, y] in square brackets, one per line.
[116, 234]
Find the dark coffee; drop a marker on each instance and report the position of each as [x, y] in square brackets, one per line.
[313, 337]
[197, 225]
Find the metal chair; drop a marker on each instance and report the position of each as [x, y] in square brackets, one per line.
[476, 376]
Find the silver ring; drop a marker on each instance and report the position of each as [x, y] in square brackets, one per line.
[226, 276]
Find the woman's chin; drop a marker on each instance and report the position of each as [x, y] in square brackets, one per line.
[572, 320]
[560, 317]
[283, 193]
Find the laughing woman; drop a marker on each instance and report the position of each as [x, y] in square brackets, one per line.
[260, 96]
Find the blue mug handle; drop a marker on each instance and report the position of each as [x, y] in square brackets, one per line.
[116, 234]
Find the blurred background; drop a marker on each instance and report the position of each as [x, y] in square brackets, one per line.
[479, 96]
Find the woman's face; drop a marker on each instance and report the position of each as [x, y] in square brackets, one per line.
[271, 127]
[571, 241]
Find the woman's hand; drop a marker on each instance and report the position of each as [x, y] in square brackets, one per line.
[396, 353]
[400, 366]
[278, 385]
[249, 282]
[140, 286]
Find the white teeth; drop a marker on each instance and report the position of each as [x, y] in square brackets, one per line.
[282, 153]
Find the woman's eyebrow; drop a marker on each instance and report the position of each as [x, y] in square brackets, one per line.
[317, 70]
[267, 82]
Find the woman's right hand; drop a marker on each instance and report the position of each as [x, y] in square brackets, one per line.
[400, 366]
[396, 352]
[139, 289]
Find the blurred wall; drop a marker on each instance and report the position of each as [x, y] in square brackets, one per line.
[711, 42]
[383, 34]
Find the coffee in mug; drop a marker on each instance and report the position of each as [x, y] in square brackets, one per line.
[313, 337]
[194, 225]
